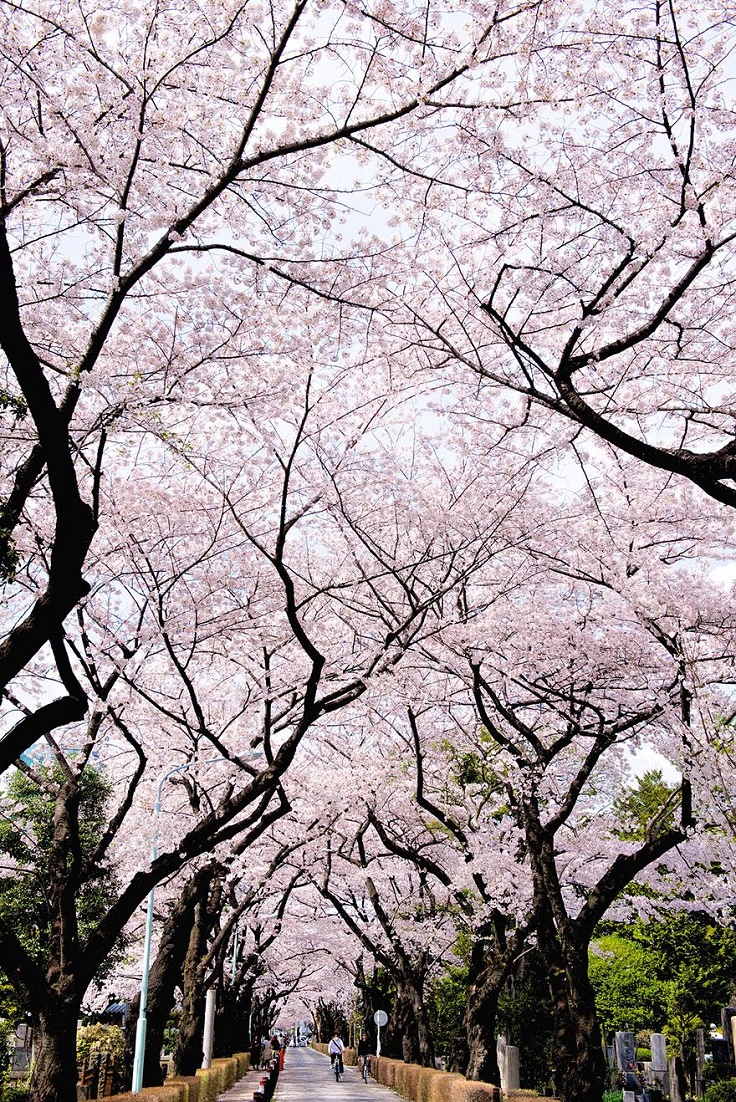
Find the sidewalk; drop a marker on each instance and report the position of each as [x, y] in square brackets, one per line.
[242, 1091]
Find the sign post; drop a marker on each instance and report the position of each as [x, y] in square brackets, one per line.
[380, 1018]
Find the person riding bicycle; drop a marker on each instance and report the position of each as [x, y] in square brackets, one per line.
[336, 1049]
[366, 1050]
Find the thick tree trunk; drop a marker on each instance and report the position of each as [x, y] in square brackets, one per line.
[165, 975]
[485, 981]
[585, 1076]
[231, 1022]
[406, 1029]
[54, 1076]
[425, 1044]
[578, 1053]
[188, 1050]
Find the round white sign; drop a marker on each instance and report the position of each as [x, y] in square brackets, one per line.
[380, 1018]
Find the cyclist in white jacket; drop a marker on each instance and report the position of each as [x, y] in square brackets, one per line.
[336, 1049]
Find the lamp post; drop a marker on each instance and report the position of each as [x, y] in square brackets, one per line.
[142, 1024]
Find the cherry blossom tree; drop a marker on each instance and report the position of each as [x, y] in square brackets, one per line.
[226, 625]
[578, 250]
[160, 171]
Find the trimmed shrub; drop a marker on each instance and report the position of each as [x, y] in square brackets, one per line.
[721, 1092]
[409, 1083]
[190, 1085]
[228, 1068]
[442, 1086]
[418, 1084]
[171, 1093]
[468, 1090]
[205, 1086]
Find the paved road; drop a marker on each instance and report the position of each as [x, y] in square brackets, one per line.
[308, 1077]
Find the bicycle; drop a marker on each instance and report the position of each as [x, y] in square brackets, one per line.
[338, 1066]
[365, 1068]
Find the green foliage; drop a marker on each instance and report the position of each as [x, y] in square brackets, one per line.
[525, 1011]
[6, 1035]
[624, 975]
[446, 1006]
[716, 1073]
[613, 1096]
[697, 965]
[16, 1090]
[671, 975]
[99, 1038]
[9, 1005]
[636, 810]
[721, 1092]
[14, 403]
[27, 840]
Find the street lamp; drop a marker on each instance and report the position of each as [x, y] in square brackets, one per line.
[142, 1024]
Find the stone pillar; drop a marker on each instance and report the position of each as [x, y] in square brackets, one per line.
[676, 1079]
[658, 1043]
[512, 1068]
[501, 1058]
[700, 1060]
[727, 1014]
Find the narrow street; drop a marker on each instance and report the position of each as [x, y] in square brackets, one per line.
[307, 1077]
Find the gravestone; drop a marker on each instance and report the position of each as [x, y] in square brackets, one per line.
[508, 1064]
[676, 1079]
[658, 1043]
[625, 1047]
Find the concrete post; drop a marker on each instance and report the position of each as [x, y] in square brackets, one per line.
[658, 1043]
[512, 1068]
[209, 1027]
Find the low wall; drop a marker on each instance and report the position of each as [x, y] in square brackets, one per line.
[418, 1084]
[205, 1086]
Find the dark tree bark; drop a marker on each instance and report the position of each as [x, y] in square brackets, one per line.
[232, 1033]
[188, 1049]
[166, 975]
[408, 975]
[564, 943]
[55, 1064]
[486, 978]
[71, 962]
